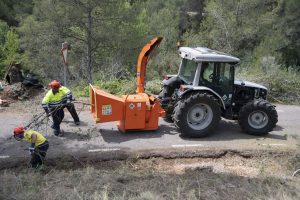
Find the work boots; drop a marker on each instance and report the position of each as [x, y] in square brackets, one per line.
[57, 133]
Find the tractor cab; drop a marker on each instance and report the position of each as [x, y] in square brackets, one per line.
[203, 69]
[218, 76]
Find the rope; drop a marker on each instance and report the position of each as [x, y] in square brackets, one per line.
[83, 106]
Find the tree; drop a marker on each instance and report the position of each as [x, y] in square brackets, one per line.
[9, 48]
[98, 31]
[163, 18]
[289, 28]
[3, 32]
[12, 11]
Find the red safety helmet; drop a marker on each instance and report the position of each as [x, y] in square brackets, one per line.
[54, 84]
[18, 132]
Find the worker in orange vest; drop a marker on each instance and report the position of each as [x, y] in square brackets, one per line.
[38, 145]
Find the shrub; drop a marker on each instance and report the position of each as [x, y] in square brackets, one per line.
[118, 87]
[153, 87]
[283, 85]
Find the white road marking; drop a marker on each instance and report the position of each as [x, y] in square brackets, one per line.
[273, 144]
[3, 157]
[280, 110]
[104, 150]
[186, 145]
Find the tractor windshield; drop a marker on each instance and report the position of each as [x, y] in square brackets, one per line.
[187, 70]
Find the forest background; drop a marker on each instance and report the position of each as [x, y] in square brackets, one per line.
[106, 37]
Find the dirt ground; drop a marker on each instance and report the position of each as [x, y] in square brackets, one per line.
[266, 175]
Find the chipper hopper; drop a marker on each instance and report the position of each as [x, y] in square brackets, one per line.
[133, 112]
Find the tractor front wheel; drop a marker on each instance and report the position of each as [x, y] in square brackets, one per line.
[258, 117]
[198, 115]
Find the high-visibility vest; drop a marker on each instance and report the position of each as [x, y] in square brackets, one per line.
[52, 100]
[40, 139]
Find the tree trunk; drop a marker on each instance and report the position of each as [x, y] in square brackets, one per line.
[89, 46]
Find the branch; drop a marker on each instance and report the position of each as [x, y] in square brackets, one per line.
[76, 37]
[294, 174]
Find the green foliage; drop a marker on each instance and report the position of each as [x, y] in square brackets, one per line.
[4, 28]
[153, 87]
[12, 11]
[81, 90]
[41, 43]
[106, 37]
[284, 86]
[9, 49]
[101, 33]
[288, 26]
[116, 87]
[163, 19]
[264, 34]
[3, 32]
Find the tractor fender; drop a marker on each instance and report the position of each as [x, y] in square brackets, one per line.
[204, 89]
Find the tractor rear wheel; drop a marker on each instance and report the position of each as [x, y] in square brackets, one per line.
[198, 115]
[258, 117]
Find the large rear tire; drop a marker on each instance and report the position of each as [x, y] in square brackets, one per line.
[258, 117]
[198, 115]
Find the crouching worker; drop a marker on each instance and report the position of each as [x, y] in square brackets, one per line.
[54, 102]
[38, 145]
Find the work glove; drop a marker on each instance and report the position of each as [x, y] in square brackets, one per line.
[47, 112]
[31, 150]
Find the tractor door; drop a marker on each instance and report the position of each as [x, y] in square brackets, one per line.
[187, 71]
[219, 77]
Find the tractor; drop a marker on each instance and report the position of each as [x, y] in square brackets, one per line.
[204, 90]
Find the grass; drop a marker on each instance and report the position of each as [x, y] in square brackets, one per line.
[125, 182]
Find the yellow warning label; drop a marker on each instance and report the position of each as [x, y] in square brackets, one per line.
[106, 109]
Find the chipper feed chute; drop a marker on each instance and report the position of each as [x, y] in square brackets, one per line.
[138, 111]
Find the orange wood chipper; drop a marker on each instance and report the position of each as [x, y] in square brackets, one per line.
[133, 112]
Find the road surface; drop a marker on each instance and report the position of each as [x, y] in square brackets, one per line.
[92, 138]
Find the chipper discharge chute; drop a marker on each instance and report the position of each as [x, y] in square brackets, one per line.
[133, 112]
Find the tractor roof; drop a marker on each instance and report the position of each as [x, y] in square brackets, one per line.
[200, 54]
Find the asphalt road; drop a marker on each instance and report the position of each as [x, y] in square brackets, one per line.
[93, 137]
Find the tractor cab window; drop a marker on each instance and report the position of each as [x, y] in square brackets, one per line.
[219, 77]
[207, 70]
[187, 70]
[215, 73]
[224, 76]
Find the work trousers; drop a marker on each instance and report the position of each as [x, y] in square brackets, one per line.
[39, 154]
[57, 116]
[71, 109]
